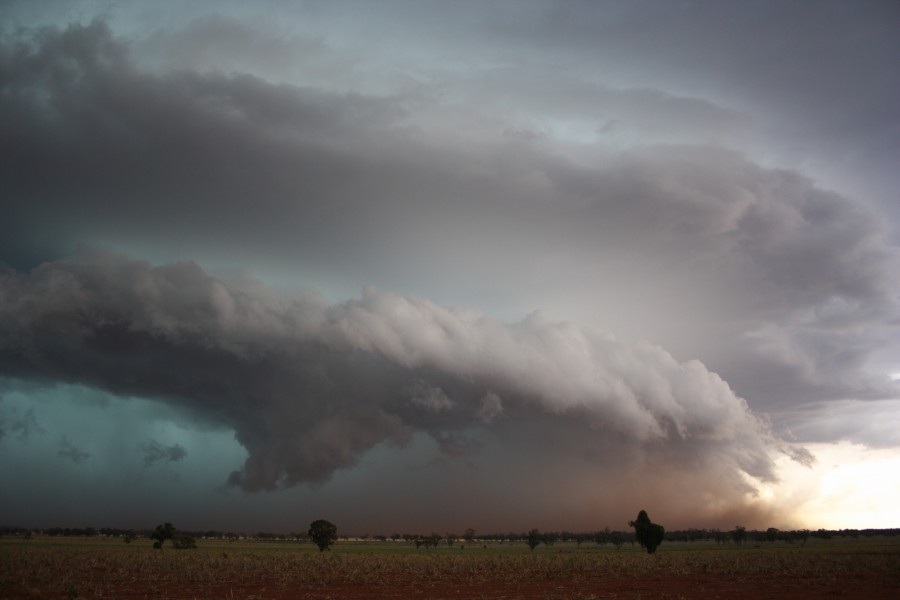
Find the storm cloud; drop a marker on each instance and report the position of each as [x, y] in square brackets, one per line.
[308, 387]
[674, 231]
[225, 167]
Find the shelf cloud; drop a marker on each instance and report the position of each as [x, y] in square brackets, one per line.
[626, 250]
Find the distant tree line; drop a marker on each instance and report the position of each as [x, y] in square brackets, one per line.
[602, 537]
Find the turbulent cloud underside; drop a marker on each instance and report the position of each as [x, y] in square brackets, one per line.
[309, 387]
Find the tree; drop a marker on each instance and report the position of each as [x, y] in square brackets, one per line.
[617, 538]
[161, 534]
[533, 538]
[772, 534]
[323, 533]
[469, 535]
[649, 534]
[738, 534]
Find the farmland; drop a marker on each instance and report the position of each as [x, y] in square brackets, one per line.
[50, 567]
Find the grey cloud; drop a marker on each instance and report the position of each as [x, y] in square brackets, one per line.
[545, 95]
[154, 453]
[310, 387]
[430, 398]
[233, 168]
[800, 455]
[871, 424]
[125, 146]
[462, 163]
[761, 48]
[228, 44]
[70, 451]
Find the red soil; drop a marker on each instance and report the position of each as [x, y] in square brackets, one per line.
[585, 587]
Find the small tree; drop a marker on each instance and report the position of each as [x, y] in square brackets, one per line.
[772, 534]
[469, 535]
[323, 533]
[617, 538]
[738, 534]
[649, 534]
[161, 534]
[533, 538]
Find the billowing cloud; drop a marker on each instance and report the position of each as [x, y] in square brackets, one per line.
[309, 387]
[727, 216]
[382, 190]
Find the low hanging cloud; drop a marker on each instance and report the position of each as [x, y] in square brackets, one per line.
[309, 387]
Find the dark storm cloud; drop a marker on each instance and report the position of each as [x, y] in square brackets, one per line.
[154, 452]
[575, 159]
[101, 146]
[797, 279]
[309, 387]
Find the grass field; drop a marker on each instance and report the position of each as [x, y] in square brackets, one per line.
[55, 567]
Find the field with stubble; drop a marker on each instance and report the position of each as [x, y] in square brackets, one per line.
[47, 567]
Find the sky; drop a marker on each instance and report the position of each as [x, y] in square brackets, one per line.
[424, 266]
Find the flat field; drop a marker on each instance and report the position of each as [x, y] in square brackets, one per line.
[48, 567]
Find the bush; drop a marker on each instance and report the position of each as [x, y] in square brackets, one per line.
[323, 533]
[183, 541]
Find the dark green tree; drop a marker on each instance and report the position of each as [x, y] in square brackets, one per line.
[772, 534]
[739, 534]
[161, 534]
[533, 538]
[649, 534]
[323, 533]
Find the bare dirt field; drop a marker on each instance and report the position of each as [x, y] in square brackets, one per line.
[107, 568]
